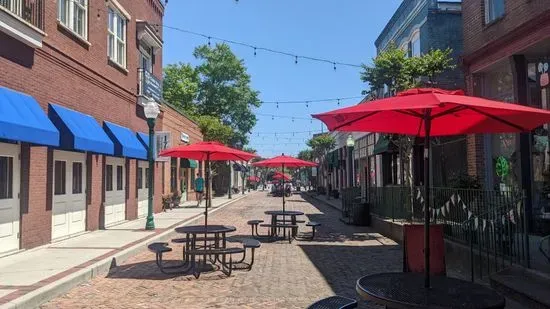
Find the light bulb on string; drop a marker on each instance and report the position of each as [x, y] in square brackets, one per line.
[277, 104]
[295, 59]
[209, 42]
[254, 51]
[334, 66]
[338, 102]
[292, 119]
[311, 120]
[307, 103]
[272, 117]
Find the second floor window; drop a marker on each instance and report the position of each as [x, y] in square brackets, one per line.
[494, 9]
[73, 14]
[116, 45]
[415, 45]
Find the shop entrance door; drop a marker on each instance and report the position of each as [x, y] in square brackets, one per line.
[9, 197]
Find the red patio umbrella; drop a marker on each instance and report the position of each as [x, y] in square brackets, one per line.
[430, 112]
[282, 161]
[279, 176]
[207, 151]
[253, 179]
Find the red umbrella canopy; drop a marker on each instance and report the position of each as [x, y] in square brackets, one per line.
[253, 179]
[201, 150]
[279, 176]
[288, 161]
[449, 112]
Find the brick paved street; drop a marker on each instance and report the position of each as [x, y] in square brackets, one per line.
[284, 275]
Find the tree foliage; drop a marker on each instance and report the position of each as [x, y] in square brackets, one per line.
[321, 144]
[306, 154]
[181, 87]
[225, 91]
[249, 149]
[392, 68]
[217, 93]
[213, 129]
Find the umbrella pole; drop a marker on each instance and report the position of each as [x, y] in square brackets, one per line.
[208, 193]
[427, 127]
[284, 190]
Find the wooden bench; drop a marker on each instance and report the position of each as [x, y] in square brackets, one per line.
[313, 225]
[254, 225]
[293, 228]
[334, 302]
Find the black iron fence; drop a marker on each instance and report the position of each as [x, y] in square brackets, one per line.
[31, 11]
[491, 224]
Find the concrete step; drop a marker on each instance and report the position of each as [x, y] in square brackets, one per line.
[528, 287]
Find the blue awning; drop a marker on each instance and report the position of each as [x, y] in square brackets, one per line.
[79, 131]
[144, 139]
[22, 119]
[126, 141]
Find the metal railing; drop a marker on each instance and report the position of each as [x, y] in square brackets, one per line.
[490, 223]
[350, 198]
[32, 11]
[391, 202]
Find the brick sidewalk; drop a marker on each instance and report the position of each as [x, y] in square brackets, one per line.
[284, 275]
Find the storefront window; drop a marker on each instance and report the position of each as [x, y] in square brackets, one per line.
[498, 84]
[173, 174]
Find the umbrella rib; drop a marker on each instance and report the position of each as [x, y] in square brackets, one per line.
[351, 121]
[450, 111]
[410, 113]
[506, 122]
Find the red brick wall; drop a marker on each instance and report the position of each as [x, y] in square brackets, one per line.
[131, 189]
[95, 193]
[36, 195]
[517, 14]
[176, 123]
[68, 72]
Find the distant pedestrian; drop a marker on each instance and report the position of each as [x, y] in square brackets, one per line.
[199, 189]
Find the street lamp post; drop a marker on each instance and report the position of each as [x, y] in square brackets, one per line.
[230, 180]
[351, 144]
[151, 110]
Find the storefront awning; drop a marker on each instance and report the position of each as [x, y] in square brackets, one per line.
[144, 139]
[126, 141]
[383, 145]
[238, 167]
[188, 163]
[79, 131]
[22, 119]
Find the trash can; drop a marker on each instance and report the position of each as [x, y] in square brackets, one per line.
[360, 212]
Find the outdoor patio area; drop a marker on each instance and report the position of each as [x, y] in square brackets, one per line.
[284, 275]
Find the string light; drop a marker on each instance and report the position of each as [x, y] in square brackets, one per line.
[266, 49]
[288, 132]
[338, 102]
[334, 66]
[284, 117]
[209, 41]
[254, 51]
[307, 102]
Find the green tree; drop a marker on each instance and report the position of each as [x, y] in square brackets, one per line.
[225, 91]
[249, 149]
[306, 154]
[213, 129]
[320, 146]
[180, 87]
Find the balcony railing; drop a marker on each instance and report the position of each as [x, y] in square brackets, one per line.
[31, 11]
[148, 85]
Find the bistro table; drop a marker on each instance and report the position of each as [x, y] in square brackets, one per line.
[275, 218]
[219, 233]
[406, 290]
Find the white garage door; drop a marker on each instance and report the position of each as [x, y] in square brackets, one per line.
[9, 197]
[142, 187]
[115, 193]
[69, 194]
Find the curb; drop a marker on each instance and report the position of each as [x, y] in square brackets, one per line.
[39, 296]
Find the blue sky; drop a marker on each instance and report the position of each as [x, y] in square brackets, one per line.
[342, 31]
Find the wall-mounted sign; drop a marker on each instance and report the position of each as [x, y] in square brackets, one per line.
[163, 141]
[152, 86]
[542, 74]
[184, 137]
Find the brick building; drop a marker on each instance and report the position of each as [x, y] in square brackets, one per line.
[73, 136]
[506, 57]
[417, 26]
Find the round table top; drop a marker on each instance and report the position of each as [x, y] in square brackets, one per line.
[406, 290]
[200, 229]
[284, 213]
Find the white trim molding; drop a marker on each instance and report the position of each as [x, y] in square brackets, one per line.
[147, 35]
[119, 7]
[19, 29]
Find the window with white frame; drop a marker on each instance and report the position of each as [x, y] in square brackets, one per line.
[116, 44]
[494, 9]
[73, 14]
[415, 44]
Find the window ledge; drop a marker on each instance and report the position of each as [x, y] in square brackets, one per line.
[493, 22]
[118, 66]
[20, 29]
[73, 34]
